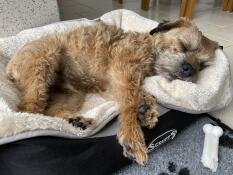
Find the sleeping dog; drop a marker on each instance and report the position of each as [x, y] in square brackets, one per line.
[54, 73]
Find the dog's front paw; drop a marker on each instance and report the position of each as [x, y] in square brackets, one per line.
[133, 144]
[148, 114]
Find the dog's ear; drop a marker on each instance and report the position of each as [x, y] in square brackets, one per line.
[159, 28]
[167, 25]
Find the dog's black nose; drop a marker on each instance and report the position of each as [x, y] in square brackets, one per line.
[187, 69]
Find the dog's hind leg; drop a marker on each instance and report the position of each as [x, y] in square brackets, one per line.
[34, 69]
[66, 105]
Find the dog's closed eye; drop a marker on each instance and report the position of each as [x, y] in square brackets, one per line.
[184, 47]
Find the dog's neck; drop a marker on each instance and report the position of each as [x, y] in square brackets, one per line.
[152, 42]
[147, 52]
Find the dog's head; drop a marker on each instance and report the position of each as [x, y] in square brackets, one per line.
[181, 50]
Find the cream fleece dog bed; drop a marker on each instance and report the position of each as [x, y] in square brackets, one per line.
[213, 90]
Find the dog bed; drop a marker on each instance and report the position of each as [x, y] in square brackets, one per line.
[91, 150]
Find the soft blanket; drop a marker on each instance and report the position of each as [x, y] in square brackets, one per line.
[212, 91]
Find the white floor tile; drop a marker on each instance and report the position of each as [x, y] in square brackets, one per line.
[225, 32]
[219, 39]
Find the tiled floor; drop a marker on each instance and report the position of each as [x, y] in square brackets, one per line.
[208, 16]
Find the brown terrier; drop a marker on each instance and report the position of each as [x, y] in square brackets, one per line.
[55, 72]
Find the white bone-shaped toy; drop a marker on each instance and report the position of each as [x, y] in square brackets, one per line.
[211, 143]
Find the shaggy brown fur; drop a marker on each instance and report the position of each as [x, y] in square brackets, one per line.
[55, 72]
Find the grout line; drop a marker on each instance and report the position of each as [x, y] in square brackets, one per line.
[216, 35]
[229, 46]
